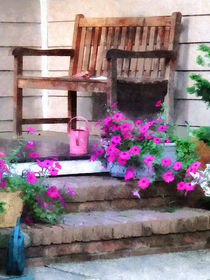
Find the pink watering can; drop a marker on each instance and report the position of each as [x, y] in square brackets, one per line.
[79, 138]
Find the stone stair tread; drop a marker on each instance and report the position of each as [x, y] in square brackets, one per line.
[115, 224]
[104, 187]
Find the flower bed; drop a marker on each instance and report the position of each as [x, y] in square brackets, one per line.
[135, 149]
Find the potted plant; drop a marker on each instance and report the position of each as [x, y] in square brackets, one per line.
[144, 150]
[42, 202]
[201, 88]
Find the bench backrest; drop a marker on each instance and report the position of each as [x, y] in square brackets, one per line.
[94, 36]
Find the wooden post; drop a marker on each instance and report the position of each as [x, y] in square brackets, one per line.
[18, 96]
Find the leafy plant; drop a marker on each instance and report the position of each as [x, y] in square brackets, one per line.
[203, 134]
[42, 202]
[201, 86]
[2, 209]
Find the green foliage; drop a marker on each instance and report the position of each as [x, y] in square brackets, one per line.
[201, 87]
[2, 209]
[203, 134]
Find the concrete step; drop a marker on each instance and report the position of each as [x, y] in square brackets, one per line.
[113, 233]
[104, 192]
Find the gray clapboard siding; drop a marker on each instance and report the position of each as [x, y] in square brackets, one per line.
[64, 10]
[60, 34]
[19, 11]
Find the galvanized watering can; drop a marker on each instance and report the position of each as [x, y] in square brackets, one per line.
[79, 138]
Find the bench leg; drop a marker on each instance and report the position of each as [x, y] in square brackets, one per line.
[72, 106]
[18, 111]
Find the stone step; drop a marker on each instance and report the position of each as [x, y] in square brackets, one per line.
[113, 233]
[103, 192]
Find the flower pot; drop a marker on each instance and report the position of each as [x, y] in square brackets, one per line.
[204, 152]
[117, 170]
[14, 207]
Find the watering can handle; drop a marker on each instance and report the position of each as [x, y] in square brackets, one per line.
[79, 117]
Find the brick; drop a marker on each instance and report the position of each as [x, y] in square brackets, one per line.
[56, 235]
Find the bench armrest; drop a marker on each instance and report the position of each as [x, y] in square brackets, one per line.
[20, 51]
[115, 53]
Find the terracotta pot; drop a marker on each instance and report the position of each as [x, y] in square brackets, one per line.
[14, 208]
[203, 151]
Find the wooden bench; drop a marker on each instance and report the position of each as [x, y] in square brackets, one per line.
[137, 50]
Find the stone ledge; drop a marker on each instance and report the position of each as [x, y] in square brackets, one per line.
[113, 224]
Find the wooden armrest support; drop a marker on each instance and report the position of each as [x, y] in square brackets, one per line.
[115, 53]
[20, 51]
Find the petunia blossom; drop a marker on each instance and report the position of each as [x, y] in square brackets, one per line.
[118, 116]
[125, 127]
[138, 122]
[53, 171]
[125, 155]
[167, 140]
[111, 158]
[93, 158]
[57, 165]
[162, 127]
[107, 120]
[189, 187]
[30, 144]
[159, 120]
[181, 186]
[33, 155]
[143, 183]
[148, 160]
[113, 105]
[30, 129]
[136, 193]
[177, 165]
[158, 103]
[71, 191]
[157, 140]
[115, 140]
[129, 173]
[196, 164]
[53, 192]
[143, 128]
[191, 169]
[3, 183]
[165, 161]
[121, 161]
[99, 151]
[2, 154]
[135, 150]
[168, 176]
[31, 178]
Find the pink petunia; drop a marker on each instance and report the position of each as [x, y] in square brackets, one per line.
[93, 157]
[3, 183]
[167, 140]
[177, 165]
[125, 127]
[143, 183]
[94, 147]
[166, 161]
[107, 120]
[136, 193]
[162, 127]
[129, 173]
[181, 186]
[115, 127]
[189, 187]
[121, 161]
[135, 150]
[168, 176]
[190, 169]
[31, 178]
[143, 128]
[99, 151]
[33, 155]
[71, 191]
[30, 129]
[53, 192]
[28, 220]
[98, 123]
[196, 164]
[111, 158]
[118, 116]
[148, 160]
[158, 103]
[127, 136]
[57, 165]
[47, 163]
[53, 171]
[115, 140]
[2, 154]
[158, 120]
[30, 144]
[138, 122]
[157, 140]
[113, 105]
[125, 155]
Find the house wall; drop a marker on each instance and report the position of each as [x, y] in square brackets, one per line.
[20, 26]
